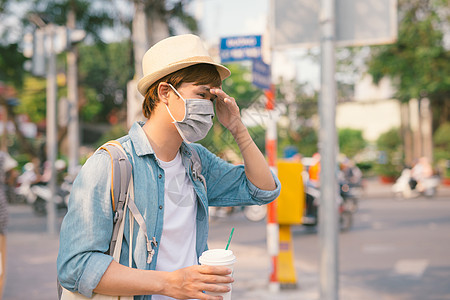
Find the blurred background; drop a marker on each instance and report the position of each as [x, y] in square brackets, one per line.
[68, 71]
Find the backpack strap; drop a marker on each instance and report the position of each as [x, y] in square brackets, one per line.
[196, 167]
[120, 179]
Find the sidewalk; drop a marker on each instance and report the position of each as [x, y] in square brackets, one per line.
[374, 188]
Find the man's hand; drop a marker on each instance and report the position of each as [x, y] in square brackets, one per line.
[190, 282]
[227, 110]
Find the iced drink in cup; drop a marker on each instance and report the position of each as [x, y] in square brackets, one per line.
[219, 257]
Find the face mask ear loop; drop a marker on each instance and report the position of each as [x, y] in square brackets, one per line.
[185, 104]
[168, 110]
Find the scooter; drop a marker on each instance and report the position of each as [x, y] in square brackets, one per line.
[349, 196]
[38, 194]
[43, 196]
[311, 217]
[24, 183]
[406, 187]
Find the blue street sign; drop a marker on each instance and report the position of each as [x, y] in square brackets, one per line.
[261, 74]
[240, 48]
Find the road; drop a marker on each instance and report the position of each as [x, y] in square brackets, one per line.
[396, 250]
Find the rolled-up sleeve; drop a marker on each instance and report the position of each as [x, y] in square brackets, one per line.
[87, 228]
[229, 186]
[263, 195]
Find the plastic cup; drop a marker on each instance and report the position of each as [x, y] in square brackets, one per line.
[219, 257]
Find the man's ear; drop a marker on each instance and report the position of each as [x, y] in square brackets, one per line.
[163, 92]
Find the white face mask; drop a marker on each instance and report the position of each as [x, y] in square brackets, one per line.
[197, 119]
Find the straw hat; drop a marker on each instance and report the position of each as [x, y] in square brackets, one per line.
[173, 54]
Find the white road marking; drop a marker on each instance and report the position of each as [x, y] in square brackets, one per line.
[411, 267]
[377, 248]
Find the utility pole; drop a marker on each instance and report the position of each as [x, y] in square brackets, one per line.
[72, 95]
[51, 132]
[139, 36]
[328, 223]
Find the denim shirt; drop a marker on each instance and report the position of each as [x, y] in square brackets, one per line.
[87, 227]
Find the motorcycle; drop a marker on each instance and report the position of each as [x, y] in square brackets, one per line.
[349, 196]
[38, 194]
[311, 217]
[24, 182]
[406, 187]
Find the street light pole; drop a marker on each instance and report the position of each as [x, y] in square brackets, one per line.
[72, 95]
[328, 223]
[51, 130]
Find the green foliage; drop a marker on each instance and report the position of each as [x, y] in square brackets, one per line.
[389, 141]
[351, 141]
[33, 97]
[114, 133]
[104, 71]
[308, 141]
[418, 62]
[304, 140]
[300, 108]
[11, 61]
[390, 146]
[441, 140]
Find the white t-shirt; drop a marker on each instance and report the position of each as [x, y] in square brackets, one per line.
[178, 240]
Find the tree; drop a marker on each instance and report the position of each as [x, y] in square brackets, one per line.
[389, 147]
[104, 71]
[49, 11]
[300, 108]
[351, 141]
[418, 62]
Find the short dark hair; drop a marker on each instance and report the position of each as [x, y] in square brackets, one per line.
[198, 74]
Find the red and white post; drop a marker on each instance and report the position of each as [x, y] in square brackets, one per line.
[272, 222]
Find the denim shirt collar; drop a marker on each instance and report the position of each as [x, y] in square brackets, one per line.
[142, 145]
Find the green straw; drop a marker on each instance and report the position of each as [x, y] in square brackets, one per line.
[229, 239]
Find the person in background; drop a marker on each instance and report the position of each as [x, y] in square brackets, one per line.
[421, 171]
[7, 163]
[314, 171]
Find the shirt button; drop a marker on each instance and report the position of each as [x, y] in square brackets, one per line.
[160, 207]
[159, 176]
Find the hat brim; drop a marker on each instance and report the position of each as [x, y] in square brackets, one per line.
[146, 81]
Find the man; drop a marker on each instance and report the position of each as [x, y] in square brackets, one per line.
[180, 84]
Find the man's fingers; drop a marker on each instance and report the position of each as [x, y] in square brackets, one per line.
[214, 270]
[216, 288]
[217, 279]
[220, 93]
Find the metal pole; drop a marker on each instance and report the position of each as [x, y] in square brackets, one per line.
[272, 219]
[51, 130]
[327, 137]
[139, 36]
[72, 95]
